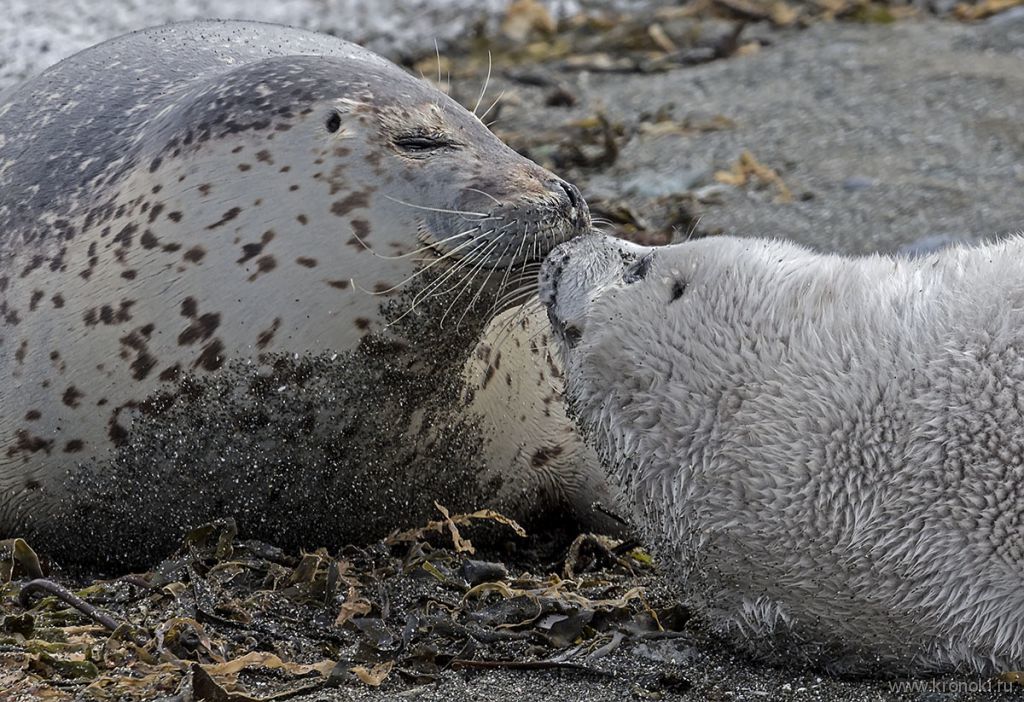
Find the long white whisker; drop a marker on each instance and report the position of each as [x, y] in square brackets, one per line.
[437, 51]
[487, 80]
[480, 289]
[439, 209]
[500, 95]
[410, 254]
[432, 288]
[435, 287]
[513, 296]
[496, 200]
[429, 291]
[467, 280]
[416, 273]
[508, 270]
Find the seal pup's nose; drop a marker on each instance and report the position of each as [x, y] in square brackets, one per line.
[551, 272]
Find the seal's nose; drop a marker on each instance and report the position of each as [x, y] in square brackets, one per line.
[575, 198]
[577, 205]
[550, 272]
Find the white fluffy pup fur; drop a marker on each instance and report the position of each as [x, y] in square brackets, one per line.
[827, 451]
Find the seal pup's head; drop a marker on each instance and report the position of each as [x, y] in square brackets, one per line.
[682, 314]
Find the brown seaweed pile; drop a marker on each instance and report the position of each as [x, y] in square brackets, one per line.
[228, 619]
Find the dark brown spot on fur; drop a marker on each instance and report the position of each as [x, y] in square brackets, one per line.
[108, 315]
[306, 262]
[142, 365]
[170, 373]
[263, 156]
[189, 307]
[74, 446]
[244, 167]
[362, 323]
[303, 219]
[267, 335]
[118, 434]
[226, 217]
[36, 262]
[212, 356]
[355, 200]
[200, 330]
[149, 240]
[72, 396]
[26, 443]
[339, 284]
[361, 227]
[264, 264]
[195, 254]
[250, 251]
[10, 315]
[32, 415]
[155, 212]
[33, 302]
[174, 216]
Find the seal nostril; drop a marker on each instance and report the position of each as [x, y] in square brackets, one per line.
[573, 193]
[573, 335]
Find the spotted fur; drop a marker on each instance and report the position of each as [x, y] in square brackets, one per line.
[181, 198]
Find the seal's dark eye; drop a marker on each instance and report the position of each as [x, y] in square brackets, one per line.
[421, 143]
[638, 270]
[573, 335]
[333, 123]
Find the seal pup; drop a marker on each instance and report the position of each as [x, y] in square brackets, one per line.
[243, 270]
[827, 452]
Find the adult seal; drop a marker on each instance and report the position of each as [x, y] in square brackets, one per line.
[826, 451]
[253, 271]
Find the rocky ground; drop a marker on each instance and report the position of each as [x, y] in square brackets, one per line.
[850, 127]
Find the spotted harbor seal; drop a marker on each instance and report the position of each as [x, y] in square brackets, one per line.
[255, 271]
[828, 451]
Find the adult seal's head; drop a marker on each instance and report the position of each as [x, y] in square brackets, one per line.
[257, 260]
[825, 450]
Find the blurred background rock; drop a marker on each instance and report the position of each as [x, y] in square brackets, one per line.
[847, 125]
